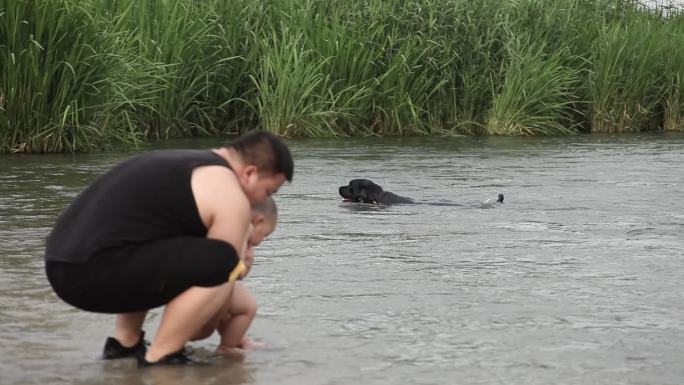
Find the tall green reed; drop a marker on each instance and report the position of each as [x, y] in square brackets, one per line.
[350, 55]
[119, 70]
[471, 36]
[407, 78]
[626, 79]
[536, 96]
[292, 98]
[56, 79]
[673, 108]
[178, 54]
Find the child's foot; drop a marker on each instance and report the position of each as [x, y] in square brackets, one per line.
[245, 345]
[228, 350]
[249, 344]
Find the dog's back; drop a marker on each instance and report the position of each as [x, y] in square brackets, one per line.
[390, 198]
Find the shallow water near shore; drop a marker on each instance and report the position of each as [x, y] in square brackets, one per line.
[575, 279]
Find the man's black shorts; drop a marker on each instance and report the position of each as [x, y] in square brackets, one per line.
[136, 278]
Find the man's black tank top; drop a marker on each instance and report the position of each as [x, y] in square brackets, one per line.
[143, 199]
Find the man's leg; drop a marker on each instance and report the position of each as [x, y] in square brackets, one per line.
[184, 316]
[128, 326]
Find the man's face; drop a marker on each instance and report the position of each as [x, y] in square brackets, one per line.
[258, 186]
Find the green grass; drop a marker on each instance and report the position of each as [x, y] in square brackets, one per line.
[673, 70]
[627, 78]
[56, 79]
[181, 60]
[536, 95]
[292, 88]
[79, 75]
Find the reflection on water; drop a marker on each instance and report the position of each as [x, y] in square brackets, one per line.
[575, 279]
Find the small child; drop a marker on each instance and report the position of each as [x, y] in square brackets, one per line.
[242, 307]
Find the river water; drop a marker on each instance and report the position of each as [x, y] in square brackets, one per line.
[575, 279]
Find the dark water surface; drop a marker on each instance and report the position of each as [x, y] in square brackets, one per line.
[576, 279]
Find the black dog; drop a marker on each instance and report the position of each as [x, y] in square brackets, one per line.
[365, 191]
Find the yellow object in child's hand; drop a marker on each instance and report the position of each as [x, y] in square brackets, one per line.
[236, 271]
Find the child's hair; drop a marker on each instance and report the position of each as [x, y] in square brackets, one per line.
[267, 208]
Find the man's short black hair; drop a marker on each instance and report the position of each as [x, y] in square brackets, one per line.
[268, 152]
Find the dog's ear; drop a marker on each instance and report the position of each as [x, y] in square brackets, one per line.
[374, 193]
[364, 190]
[357, 185]
[370, 193]
[360, 194]
[353, 189]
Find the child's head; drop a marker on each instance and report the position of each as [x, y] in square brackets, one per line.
[264, 218]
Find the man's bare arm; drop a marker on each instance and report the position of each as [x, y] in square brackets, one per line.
[222, 205]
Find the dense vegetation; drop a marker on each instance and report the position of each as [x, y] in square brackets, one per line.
[78, 74]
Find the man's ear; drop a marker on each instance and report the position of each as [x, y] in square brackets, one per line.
[250, 170]
[247, 173]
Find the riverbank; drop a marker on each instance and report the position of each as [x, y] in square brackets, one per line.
[78, 75]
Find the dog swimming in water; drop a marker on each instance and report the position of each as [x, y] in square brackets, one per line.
[367, 191]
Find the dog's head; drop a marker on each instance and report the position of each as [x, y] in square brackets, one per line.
[361, 190]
